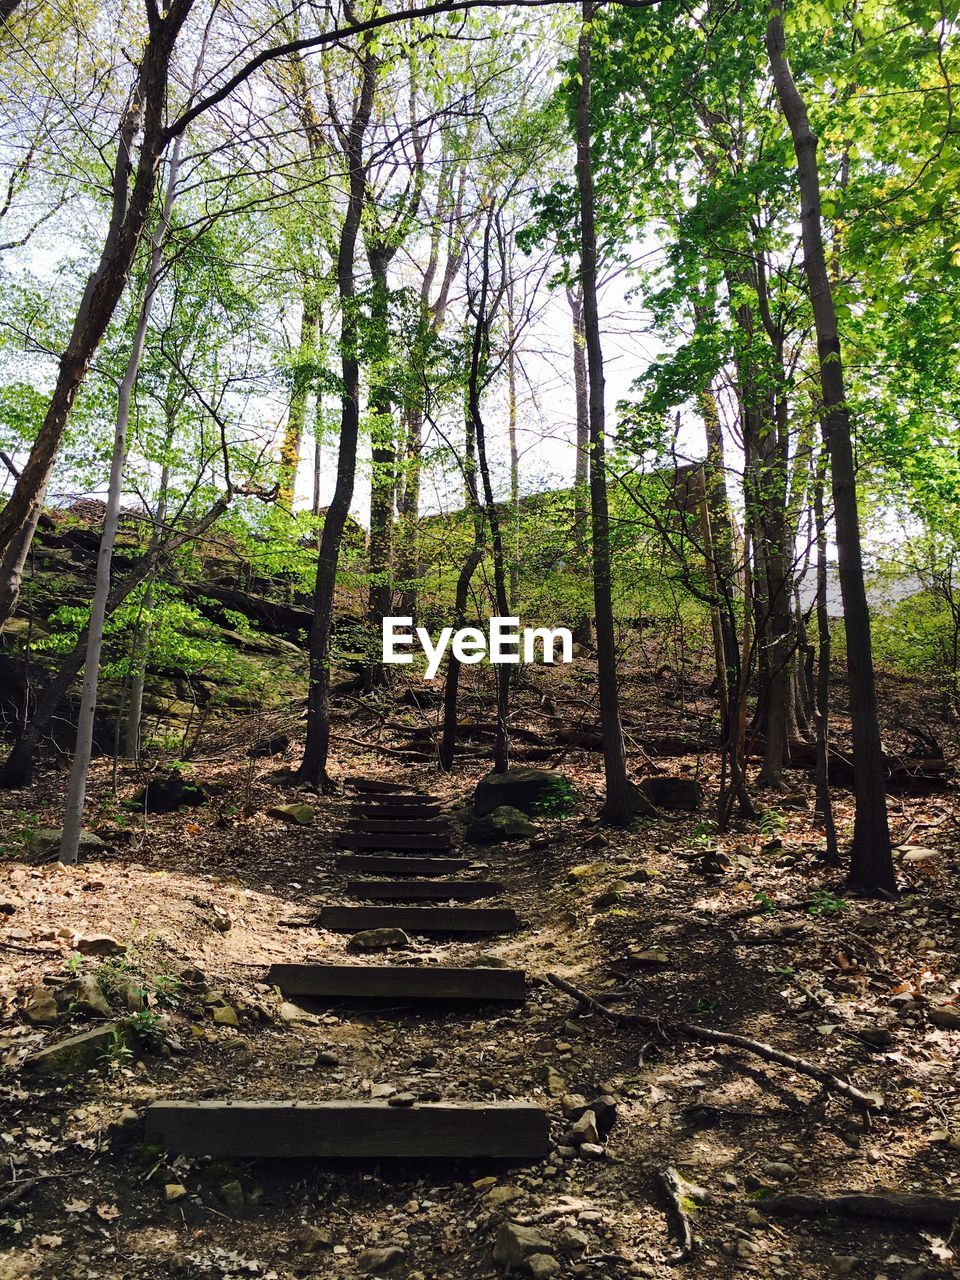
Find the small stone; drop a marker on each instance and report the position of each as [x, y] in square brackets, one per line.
[378, 940]
[587, 871]
[754, 1219]
[402, 1099]
[374, 1262]
[311, 1239]
[584, 1130]
[41, 1009]
[231, 1193]
[649, 956]
[484, 1184]
[729, 1181]
[604, 1110]
[543, 1265]
[915, 854]
[300, 815]
[100, 944]
[291, 1012]
[614, 895]
[127, 1119]
[84, 995]
[174, 1191]
[845, 1264]
[556, 1085]
[224, 1015]
[573, 1105]
[573, 1241]
[777, 1171]
[591, 1151]
[326, 1059]
[383, 1090]
[514, 1244]
[947, 1017]
[746, 1249]
[498, 1196]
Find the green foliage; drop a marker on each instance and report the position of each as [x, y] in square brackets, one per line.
[557, 800]
[824, 903]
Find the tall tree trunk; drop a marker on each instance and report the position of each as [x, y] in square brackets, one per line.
[77, 788]
[303, 379]
[871, 869]
[821, 713]
[583, 630]
[617, 805]
[383, 460]
[130, 212]
[408, 513]
[313, 767]
[514, 451]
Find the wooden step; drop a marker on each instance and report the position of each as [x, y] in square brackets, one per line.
[353, 1130]
[402, 865]
[420, 919]
[434, 890]
[399, 826]
[376, 786]
[398, 982]
[405, 812]
[400, 800]
[359, 840]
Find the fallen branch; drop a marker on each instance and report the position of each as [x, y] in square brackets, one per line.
[833, 1083]
[900, 1206]
[672, 1186]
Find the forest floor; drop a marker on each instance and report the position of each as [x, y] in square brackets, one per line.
[204, 900]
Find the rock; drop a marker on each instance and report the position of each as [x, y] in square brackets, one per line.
[402, 1100]
[291, 1012]
[843, 1264]
[498, 1196]
[502, 823]
[41, 1009]
[654, 956]
[43, 844]
[514, 1244]
[946, 1017]
[167, 795]
[591, 1151]
[573, 1241]
[604, 1110]
[586, 871]
[326, 1059]
[612, 896]
[274, 746]
[573, 1105]
[543, 1265]
[729, 1182]
[527, 789]
[777, 1171]
[231, 1193]
[556, 1085]
[218, 920]
[374, 1262]
[746, 1249]
[584, 1130]
[131, 993]
[597, 841]
[127, 1119]
[174, 1191]
[100, 944]
[311, 1239]
[224, 1015]
[916, 854]
[80, 1053]
[378, 940]
[84, 995]
[300, 815]
[655, 793]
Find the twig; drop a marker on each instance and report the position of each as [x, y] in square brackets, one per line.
[866, 1102]
[671, 1184]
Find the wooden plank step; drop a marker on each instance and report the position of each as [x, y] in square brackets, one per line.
[376, 786]
[416, 826]
[359, 840]
[398, 982]
[372, 864]
[406, 812]
[353, 1130]
[420, 919]
[401, 799]
[433, 890]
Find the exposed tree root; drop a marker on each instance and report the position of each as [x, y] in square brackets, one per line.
[673, 1187]
[866, 1102]
[899, 1206]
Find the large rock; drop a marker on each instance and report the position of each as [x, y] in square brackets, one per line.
[84, 995]
[300, 815]
[41, 1009]
[378, 940]
[167, 795]
[80, 1053]
[667, 793]
[515, 1244]
[43, 844]
[532, 791]
[502, 823]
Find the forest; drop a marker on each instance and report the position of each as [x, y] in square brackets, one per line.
[333, 942]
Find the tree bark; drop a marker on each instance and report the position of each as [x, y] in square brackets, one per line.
[617, 805]
[313, 767]
[303, 377]
[383, 460]
[871, 869]
[583, 630]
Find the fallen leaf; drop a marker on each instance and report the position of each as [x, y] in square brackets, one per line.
[76, 1206]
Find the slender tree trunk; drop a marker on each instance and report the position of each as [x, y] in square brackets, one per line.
[383, 461]
[313, 767]
[77, 789]
[514, 451]
[303, 378]
[130, 212]
[821, 713]
[582, 631]
[617, 805]
[408, 512]
[871, 869]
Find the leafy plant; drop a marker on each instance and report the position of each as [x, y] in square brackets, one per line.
[558, 800]
[824, 903]
[772, 823]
